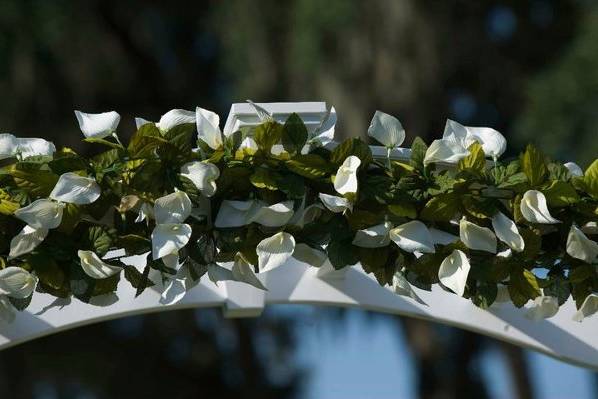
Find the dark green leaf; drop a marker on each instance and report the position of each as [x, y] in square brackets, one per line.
[353, 146]
[267, 134]
[294, 134]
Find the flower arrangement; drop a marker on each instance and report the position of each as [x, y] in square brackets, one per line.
[455, 214]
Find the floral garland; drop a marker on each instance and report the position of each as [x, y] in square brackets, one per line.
[488, 230]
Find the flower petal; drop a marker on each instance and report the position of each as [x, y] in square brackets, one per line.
[387, 130]
[581, 247]
[233, 213]
[402, 287]
[445, 151]
[493, 143]
[208, 129]
[345, 180]
[243, 271]
[26, 241]
[587, 308]
[308, 255]
[271, 216]
[454, 270]
[146, 211]
[74, 189]
[96, 268]
[8, 146]
[303, 215]
[176, 287]
[335, 204]
[140, 122]
[7, 311]
[324, 134]
[203, 175]
[175, 117]
[169, 238]
[171, 261]
[442, 237]
[41, 214]
[17, 282]
[506, 231]
[534, 208]
[31, 147]
[413, 236]
[97, 125]
[574, 169]
[274, 251]
[544, 307]
[373, 237]
[172, 208]
[477, 237]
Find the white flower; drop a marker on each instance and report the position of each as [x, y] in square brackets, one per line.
[544, 307]
[335, 204]
[442, 237]
[574, 169]
[308, 255]
[98, 125]
[454, 270]
[241, 213]
[477, 237]
[233, 213]
[17, 282]
[171, 260]
[274, 251]
[412, 237]
[41, 214]
[534, 208]
[26, 241]
[8, 145]
[373, 237]
[346, 176]
[94, 267]
[203, 175]
[587, 308]
[172, 208]
[169, 238]
[243, 271]
[493, 143]
[590, 228]
[176, 287]
[145, 213]
[208, 128]
[402, 287]
[140, 122]
[387, 130]
[445, 151]
[74, 189]
[303, 215]
[324, 134]
[506, 231]
[581, 247]
[11, 146]
[175, 117]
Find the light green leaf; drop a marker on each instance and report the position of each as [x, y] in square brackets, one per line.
[267, 134]
[560, 194]
[311, 166]
[441, 208]
[475, 161]
[590, 179]
[534, 165]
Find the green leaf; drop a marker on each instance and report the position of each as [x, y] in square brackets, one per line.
[559, 288]
[95, 140]
[233, 141]
[533, 242]
[311, 166]
[100, 239]
[264, 178]
[404, 209]
[138, 280]
[69, 162]
[560, 194]
[581, 273]
[180, 137]
[590, 179]
[292, 185]
[106, 285]
[441, 208]
[51, 276]
[517, 182]
[475, 161]
[340, 253]
[523, 286]
[418, 153]
[20, 303]
[106, 159]
[71, 216]
[533, 165]
[38, 183]
[144, 146]
[485, 295]
[353, 146]
[7, 205]
[134, 244]
[267, 134]
[294, 134]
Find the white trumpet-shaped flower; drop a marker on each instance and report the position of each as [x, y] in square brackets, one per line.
[445, 151]
[544, 307]
[274, 251]
[8, 146]
[243, 271]
[172, 208]
[387, 130]
[94, 267]
[305, 215]
[233, 213]
[324, 133]
[175, 117]
[590, 228]
[535, 209]
[175, 288]
[442, 237]
[574, 169]
[477, 237]
[454, 270]
[402, 287]
[145, 212]
[373, 237]
[41, 214]
[26, 241]
[169, 238]
[17, 282]
[74, 189]
[587, 308]
[203, 175]
[11, 146]
[271, 215]
[413, 236]
[506, 231]
[208, 127]
[336, 204]
[346, 177]
[140, 122]
[581, 247]
[98, 125]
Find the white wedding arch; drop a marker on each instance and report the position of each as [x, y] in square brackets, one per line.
[299, 283]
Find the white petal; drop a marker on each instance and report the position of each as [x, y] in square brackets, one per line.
[308, 255]
[146, 211]
[8, 146]
[506, 231]
[243, 271]
[176, 287]
[249, 143]
[346, 176]
[26, 241]
[303, 215]
[493, 143]
[218, 273]
[30, 147]
[7, 311]
[477, 237]
[233, 213]
[534, 208]
[335, 204]
[171, 261]
[140, 122]
[172, 208]
[94, 267]
[373, 237]
[453, 271]
[402, 287]
[203, 175]
[588, 308]
[208, 129]
[271, 216]
[442, 237]
[274, 251]
[456, 133]
[17, 282]
[581, 247]
[574, 169]
[413, 236]
[445, 151]
[387, 130]
[175, 117]
[97, 125]
[169, 238]
[74, 189]
[544, 307]
[41, 214]
[324, 134]
[590, 228]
